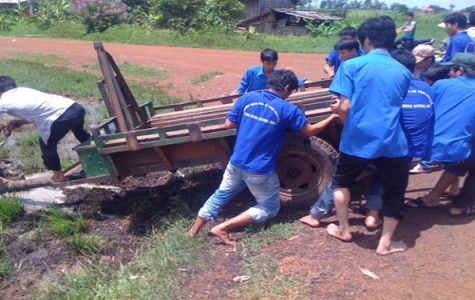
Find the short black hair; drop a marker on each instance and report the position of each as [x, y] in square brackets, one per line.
[349, 31]
[381, 31]
[269, 54]
[409, 13]
[471, 18]
[406, 58]
[7, 83]
[436, 72]
[458, 18]
[281, 78]
[347, 44]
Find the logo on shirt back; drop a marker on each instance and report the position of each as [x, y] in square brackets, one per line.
[248, 113]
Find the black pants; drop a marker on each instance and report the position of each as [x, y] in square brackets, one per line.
[72, 119]
[393, 172]
[407, 43]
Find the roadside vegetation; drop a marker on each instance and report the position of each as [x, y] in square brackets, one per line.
[157, 267]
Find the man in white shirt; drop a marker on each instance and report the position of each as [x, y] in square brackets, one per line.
[53, 115]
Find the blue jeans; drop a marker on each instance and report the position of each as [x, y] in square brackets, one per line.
[264, 187]
[324, 204]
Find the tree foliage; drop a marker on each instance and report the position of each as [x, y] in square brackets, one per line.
[181, 15]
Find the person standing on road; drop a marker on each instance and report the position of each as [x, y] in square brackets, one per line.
[371, 89]
[262, 119]
[54, 116]
[255, 78]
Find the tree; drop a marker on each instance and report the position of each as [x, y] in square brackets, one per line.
[181, 15]
[225, 10]
[451, 6]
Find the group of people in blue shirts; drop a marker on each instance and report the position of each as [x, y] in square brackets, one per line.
[391, 121]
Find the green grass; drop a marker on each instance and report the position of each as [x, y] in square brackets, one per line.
[156, 272]
[28, 152]
[63, 224]
[11, 209]
[52, 79]
[206, 77]
[5, 260]
[137, 71]
[85, 245]
[39, 58]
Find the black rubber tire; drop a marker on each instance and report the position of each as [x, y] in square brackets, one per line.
[304, 166]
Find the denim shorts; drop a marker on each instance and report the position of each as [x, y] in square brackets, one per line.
[264, 187]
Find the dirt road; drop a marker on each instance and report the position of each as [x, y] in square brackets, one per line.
[186, 63]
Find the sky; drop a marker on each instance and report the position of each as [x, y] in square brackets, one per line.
[459, 4]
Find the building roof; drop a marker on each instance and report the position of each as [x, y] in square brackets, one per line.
[306, 14]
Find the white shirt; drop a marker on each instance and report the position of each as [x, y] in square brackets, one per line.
[38, 108]
[471, 33]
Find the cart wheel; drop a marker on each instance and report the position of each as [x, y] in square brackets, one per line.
[304, 166]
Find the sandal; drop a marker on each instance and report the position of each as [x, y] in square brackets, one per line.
[419, 203]
[467, 211]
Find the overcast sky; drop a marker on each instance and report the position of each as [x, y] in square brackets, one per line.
[459, 4]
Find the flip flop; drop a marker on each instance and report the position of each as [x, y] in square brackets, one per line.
[467, 211]
[419, 203]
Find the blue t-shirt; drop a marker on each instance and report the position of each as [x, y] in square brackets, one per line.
[417, 118]
[454, 126]
[334, 58]
[255, 80]
[262, 119]
[376, 84]
[460, 42]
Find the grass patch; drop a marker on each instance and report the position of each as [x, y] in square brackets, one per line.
[206, 77]
[63, 224]
[28, 152]
[39, 58]
[5, 261]
[51, 79]
[11, 209]
[85, 245]
[137, 71]
[156, 272]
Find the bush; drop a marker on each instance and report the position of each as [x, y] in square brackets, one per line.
[98, 15]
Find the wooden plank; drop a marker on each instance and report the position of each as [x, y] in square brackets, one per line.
[132, 141]
[164, 158]
[109, 79]
[195, 133]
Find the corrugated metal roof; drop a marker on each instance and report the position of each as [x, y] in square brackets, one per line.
[307, 14]
[298, 13]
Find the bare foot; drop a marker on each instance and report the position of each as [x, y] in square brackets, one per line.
[58, 176]
[191, 233]
[393, 247]
[334, 231]
[429, 201]
[58, 179]
[222, 235]
[372, 220]
[310, 221]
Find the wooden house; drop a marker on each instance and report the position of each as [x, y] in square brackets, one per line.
[286, 21]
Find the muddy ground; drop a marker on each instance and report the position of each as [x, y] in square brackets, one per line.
[439, 263]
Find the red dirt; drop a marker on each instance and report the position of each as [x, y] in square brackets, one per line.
[439, 263]
[186, 63]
